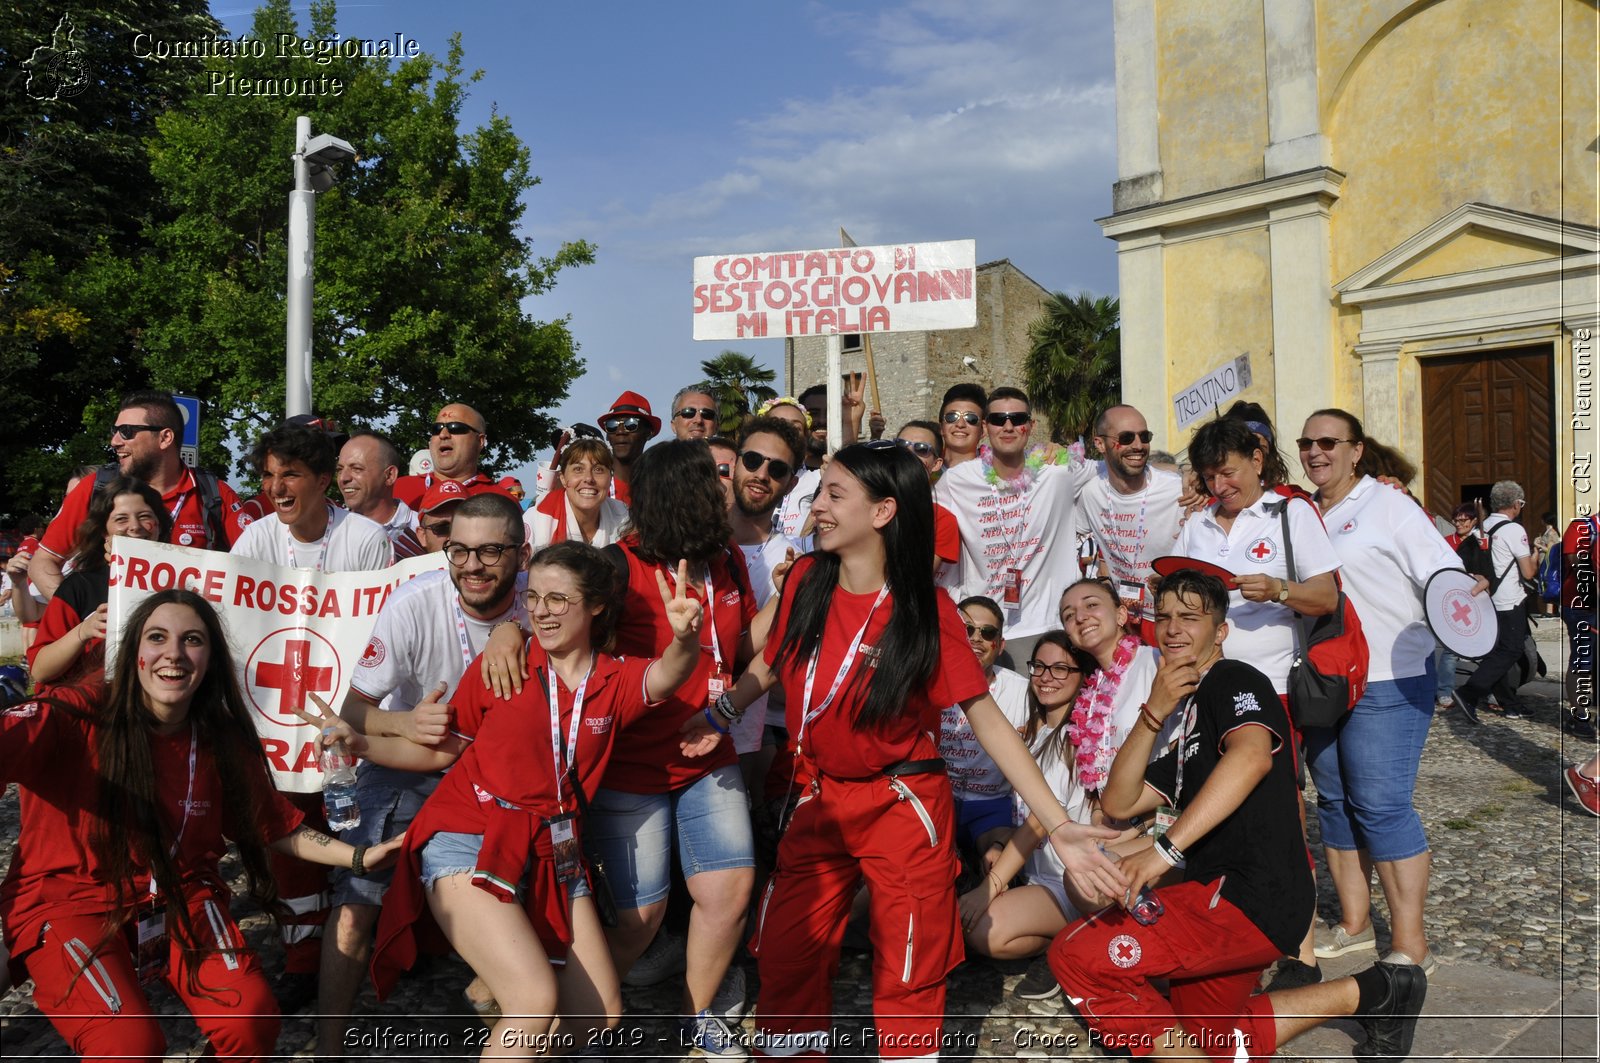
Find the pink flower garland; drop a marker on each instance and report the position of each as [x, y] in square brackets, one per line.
[1090, 726]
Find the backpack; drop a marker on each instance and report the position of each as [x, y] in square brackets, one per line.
[1477, 556]
[210, 501]
[1329, 672]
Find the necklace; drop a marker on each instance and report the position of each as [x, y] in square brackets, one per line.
[1090, 727]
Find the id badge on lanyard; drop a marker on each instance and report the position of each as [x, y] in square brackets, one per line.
[151, 946]
[1011, 589]
[564, 840]
[721, 679]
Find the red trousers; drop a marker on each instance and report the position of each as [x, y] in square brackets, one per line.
[97, 1004]
[1210, 953]
[303, 887]
[843, 832]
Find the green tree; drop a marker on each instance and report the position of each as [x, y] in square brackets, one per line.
[1074, 363]
[420, 268]
[77, 108]
[738, 384]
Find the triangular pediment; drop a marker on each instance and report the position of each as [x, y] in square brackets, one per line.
[1472, 239]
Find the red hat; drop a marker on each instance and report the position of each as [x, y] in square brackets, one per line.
[631, 403]
[442, 493]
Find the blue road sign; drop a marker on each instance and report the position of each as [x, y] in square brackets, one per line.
[191, 419]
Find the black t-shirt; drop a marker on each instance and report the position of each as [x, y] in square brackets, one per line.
[1258, 851]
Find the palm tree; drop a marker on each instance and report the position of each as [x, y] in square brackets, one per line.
[1074, 366]
[738, 384]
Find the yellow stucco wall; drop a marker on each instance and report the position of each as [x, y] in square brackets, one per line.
[1470, 250]
[1219, 306]
[1460, 103]
[1212, 91]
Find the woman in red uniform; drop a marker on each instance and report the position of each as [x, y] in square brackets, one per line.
[869, 652]
[493, 860]
[114, 881]
[71, 641]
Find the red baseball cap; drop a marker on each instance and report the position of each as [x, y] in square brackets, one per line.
[442, 493]
[633, 404]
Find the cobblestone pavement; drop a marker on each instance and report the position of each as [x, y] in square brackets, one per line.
[1514, 887]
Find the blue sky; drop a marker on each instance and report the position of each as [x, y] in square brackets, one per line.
[665, 131]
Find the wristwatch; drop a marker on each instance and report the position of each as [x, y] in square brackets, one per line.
[1283, 592]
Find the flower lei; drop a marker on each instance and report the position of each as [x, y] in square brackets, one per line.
[1090, 726]
[1073, 454]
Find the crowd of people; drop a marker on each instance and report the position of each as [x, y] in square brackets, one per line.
[944, 689]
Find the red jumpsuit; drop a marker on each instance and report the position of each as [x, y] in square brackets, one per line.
[854, 823]
[55, 898]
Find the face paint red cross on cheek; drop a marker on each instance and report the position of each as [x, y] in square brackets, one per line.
[141, 662]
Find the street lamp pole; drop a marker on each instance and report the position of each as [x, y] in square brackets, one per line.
[302, 225]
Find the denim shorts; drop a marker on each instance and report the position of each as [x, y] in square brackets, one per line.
[709, 820]
[388, 805]
[1366, 769]
[451, 853]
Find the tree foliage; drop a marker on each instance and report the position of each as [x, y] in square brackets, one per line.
[420, 271]
[738, 384]
[1074, 363]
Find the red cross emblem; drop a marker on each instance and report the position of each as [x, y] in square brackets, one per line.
[286, 666]
[1460, 612]
[1263, 550]
[1124, 950]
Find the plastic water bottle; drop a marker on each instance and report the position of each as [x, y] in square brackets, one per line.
[339, 788]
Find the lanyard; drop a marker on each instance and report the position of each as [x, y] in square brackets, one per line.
[188, 800]
[327, 533]
[711, 620]
[1183, 746]
[807, 713]
[572, 729]
[516, 612]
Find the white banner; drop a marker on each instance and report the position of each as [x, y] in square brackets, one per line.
[292, 631]
[1208, 394]
[889, 288]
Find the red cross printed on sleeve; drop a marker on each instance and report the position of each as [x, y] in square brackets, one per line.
[293, 676]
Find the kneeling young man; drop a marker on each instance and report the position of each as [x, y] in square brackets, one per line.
[1246, 891]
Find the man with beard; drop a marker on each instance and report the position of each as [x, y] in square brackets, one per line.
[306, 531]
[456, 441]
[369, 467]
[426, 636]
[628, 426]
[1130, 508]
[145, 438]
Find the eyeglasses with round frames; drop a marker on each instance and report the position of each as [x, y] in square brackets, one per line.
[1323, 443]
[455, 428]
[555, 603]
[986, 632]
[917, 447]
[489, 554]
[621, 424]
[690, 413]
[1058, 670]
[956, 416]
[777, 468]
[1125, 439]
[1013, 417]
[128, 431]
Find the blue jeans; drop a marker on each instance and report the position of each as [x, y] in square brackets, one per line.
[709, 820]
[1444, 664]
[1366, 769]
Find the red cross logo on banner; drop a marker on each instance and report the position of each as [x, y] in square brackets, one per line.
[1263, 550]
[286, 666]
[1462, 616]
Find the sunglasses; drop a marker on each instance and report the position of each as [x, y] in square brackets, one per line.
[986, 632]
[752, 462]
[440, 530]
[128, 431]
[689, 413]
[1059, 670]
[621, 424]
[724, 469]
[1125, 439]
[455, 428]
[1015, 417]
[917, 447]
[1323, 443]
[958, 416]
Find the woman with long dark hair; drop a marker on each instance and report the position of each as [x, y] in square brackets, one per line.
[71, 640]
[869, 652]
[125, 815]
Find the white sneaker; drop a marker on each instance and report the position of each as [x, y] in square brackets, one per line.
[730, 1001]
[708, 1035]
[1429, 965]
[662, 960]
